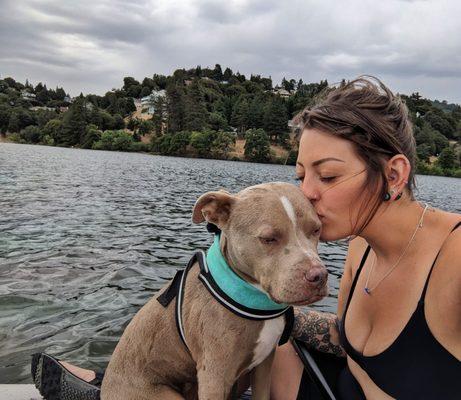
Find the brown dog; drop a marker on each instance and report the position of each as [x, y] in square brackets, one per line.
[269, 239]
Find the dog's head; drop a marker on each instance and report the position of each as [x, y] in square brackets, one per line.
[270, 234]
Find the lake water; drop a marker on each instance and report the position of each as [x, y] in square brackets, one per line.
[87, 237]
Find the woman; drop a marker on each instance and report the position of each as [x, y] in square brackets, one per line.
[399, 306]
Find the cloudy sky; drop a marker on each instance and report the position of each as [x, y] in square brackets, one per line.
[90, 45]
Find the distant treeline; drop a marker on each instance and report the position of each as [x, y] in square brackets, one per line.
[202, 112]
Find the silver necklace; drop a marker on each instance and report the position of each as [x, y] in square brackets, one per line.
[367, 289]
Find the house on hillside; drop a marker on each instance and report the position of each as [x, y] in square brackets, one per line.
[26, 95]
[148, 102]
[36, 108]
[281, 92]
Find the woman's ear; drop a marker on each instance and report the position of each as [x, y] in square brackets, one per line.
[214, 207]
[398, 170]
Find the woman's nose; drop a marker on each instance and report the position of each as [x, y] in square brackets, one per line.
[309, 190]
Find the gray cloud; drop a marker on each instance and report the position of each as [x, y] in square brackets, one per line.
[90, 45]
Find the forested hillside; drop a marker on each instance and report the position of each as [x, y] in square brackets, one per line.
[201, 112]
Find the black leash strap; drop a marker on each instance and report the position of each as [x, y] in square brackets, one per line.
[289, 321]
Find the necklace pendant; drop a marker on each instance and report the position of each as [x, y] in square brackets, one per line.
[367, 291]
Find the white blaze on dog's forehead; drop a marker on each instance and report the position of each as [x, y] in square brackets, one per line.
[289, 209]
[267, 341]
[291, 214]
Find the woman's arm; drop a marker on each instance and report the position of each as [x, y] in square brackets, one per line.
[318, 330]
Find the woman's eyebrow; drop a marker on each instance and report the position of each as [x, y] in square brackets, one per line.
[318, 162]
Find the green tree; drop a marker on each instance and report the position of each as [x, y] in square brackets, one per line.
[159, 118]
[91, 136]
[227, 74]
[175, 107]
[53, 129]
[240, 114]
[42, 95]
[173, 144]
[119, 122]
[74, 123]
[439, 122]
[256, 113]
[217, 73]
[202, 141]
[5, 112]
[19, 119]
[146, 91]
[195, 117]
[423, 151]
[276, 119]
[31, 134]
[222, 144]
[447, 158]
[114, 140]
[145, 127]
[257, 145]
[43, 116]
[218, 122]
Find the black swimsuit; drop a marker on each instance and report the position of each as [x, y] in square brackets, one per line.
[414, 366]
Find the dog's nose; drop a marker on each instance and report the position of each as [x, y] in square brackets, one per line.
[316, 275]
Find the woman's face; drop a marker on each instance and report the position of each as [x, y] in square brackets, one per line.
[332, 178]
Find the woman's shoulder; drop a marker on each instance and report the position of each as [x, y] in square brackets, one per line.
[444, 290]
[450, 249]
[355, 252]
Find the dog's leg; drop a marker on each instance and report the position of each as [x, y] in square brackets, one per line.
[261, 379]
[165, 393]
[212, 386]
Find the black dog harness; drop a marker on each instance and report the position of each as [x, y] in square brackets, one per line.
[176, 290]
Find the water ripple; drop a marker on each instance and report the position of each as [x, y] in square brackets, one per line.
[86, 238]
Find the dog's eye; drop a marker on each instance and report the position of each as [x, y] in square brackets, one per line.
[268, 240]
[317, 232]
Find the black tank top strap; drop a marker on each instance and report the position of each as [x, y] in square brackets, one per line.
[356, 277]
[423, 294]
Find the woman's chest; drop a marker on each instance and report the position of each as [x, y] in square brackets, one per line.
[374, 320]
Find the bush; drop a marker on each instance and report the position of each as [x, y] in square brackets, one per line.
[91, 135]
[172, 144]
[31, 134]
[114, 140]
[447, 158]
[257, 147]
[140, 146]
[202, 142]
[222, 144]
[47, 140]
[15, 137]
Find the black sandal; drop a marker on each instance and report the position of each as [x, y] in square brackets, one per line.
[54, 382]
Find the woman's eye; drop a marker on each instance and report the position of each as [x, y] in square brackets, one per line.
[268, 240]
[327, 179]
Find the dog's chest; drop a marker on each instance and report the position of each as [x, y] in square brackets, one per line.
[267, 340]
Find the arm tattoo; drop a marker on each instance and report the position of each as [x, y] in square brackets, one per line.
[318, 330]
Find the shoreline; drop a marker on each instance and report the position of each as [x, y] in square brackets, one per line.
[233, 158]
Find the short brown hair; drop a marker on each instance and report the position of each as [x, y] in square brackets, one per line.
[366, 113]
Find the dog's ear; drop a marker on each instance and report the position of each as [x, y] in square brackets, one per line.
[214, 207]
